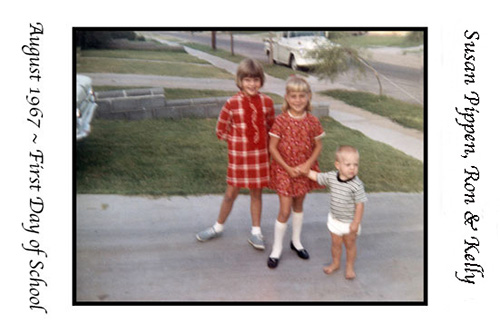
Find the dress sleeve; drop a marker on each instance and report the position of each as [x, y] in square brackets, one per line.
[318, 129]
[276, 128]
[270, 115]
[223, 122]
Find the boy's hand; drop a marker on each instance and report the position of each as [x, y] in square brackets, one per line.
[354, 227]
[304, 169]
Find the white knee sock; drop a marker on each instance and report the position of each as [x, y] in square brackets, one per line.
[279, 234]
[297, 219]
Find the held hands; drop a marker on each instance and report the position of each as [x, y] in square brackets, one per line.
[300, 170]
[293, 172]
[304, 169]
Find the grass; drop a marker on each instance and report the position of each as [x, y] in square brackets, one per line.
[159, 55]
[374, 40]
[183, 157]
[277, 71]
[406, 114]
[168, 63]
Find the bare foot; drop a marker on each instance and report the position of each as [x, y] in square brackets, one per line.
[330, 268]
[350, 274]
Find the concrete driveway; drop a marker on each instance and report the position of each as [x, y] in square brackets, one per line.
[138, 249]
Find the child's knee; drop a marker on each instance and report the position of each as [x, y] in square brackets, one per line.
[284, 215]
[298, 204]
[336, 240]
[230, 196]
[350, 241]
[256, 194]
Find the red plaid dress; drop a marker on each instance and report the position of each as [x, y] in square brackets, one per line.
[244, 123]
[297, 142]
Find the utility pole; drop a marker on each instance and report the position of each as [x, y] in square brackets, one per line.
[214, 43]
[232, 43]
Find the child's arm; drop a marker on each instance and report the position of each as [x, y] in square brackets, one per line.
[313, 175]
[223, 124]
[358, 215]
[305, 167]
[273, 149]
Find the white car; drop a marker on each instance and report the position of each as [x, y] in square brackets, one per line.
[293, 48]
[85, 106]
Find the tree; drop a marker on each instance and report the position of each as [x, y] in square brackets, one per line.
[337, 58]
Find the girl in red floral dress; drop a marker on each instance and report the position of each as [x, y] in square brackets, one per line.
[295, 145]
[244, 123]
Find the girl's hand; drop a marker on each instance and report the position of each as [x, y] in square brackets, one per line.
[293, 172]
[353, 227]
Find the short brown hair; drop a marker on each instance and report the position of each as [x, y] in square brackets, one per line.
[249, 68]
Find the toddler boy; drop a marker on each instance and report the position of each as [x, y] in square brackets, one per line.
[347, 198]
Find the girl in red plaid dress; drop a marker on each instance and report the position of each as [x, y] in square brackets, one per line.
[295, 144]
[244, 123]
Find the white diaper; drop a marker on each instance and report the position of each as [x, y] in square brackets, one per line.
[339, 228]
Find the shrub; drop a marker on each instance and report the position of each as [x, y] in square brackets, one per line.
[101, 39]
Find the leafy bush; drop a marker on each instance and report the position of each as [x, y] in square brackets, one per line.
[416, 36]
[101, 39]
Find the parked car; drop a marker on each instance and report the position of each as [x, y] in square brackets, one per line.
[85, 106]
[292, 47]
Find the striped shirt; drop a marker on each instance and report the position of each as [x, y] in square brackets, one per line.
[344, 195]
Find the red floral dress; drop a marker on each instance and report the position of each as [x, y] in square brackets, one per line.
[297, 142]
[244, 123]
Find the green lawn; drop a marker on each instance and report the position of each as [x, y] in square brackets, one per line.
[374, 40]
[277, 71]
[168, 63]
[183, 157]
[159, 55]
[406, 114]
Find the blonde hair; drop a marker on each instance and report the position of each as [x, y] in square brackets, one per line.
[297, 83]
[345, 149]
[249, 68]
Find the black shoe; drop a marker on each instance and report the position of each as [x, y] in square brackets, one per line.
[272, 262]
[301, 253]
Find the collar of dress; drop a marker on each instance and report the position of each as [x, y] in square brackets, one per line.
[299, 117]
